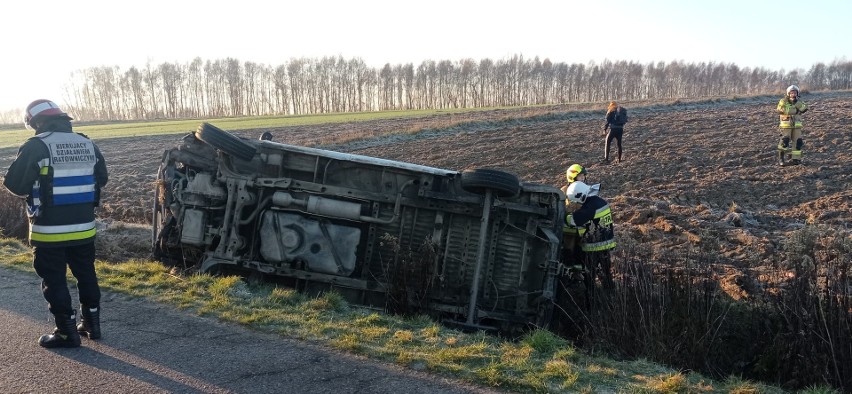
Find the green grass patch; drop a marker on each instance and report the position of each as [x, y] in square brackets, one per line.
[15, 137]
[537, 363]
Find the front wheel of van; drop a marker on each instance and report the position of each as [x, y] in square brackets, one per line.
[502, 183]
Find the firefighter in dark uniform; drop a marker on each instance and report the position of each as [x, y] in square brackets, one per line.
[593, 221]
[60, 174]
[570, 236]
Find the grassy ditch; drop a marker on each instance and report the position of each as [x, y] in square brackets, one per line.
[538, 362]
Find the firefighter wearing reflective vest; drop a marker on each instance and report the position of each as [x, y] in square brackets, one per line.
[570, 236]
[593, 221]
[60, 174]
[790, 110]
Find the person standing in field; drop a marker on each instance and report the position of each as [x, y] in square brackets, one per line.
[616, 117]
[790, 110]
[60, 174]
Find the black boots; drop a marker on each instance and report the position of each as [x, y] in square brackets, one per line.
[90, 322]
[65, 334]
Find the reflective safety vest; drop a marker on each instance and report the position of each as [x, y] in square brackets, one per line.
[790, 113]
[594, 224]
[66, 180]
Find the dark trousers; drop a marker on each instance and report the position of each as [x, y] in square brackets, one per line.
[50, 263]
[599, 266]
[615, 133]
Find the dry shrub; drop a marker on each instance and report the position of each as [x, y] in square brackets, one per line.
[13, 217]
[116, 241]
[678, 310]
[812, 342]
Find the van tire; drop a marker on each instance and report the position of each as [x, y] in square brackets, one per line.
[225, 141]
[502, 183]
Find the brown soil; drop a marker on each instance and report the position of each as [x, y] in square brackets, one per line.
[696, 175]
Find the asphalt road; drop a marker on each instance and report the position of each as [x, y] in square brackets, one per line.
[149, 347]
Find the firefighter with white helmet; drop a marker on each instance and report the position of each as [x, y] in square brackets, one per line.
[60, 174]
[790, 110]
[594, 224]
[570, 235]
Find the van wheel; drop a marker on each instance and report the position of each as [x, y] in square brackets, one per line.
[225, 141]
[502, 183]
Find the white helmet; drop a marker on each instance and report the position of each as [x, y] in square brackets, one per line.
[577, 192]
[792, 87]
[42, 108]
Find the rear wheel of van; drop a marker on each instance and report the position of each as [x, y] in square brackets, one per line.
[225, 141]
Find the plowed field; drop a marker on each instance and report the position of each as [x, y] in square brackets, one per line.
[696, 175]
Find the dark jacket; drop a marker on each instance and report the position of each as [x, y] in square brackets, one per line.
[610, 119]
[594, 221]
[31, 174]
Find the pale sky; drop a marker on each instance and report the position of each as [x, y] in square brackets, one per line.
[43, 42]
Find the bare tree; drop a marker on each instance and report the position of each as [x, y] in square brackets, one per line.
[446, 81]
[282, 98]
[152, 83]
[487, 83]
[196, 88]
[362, 83]
[170, 77]
[386, 86]
[250, 93]
[214, 85]
[839, 75]
[399, 87]
[333, 84]
[295, 74]
[134, 82]
[234, 77]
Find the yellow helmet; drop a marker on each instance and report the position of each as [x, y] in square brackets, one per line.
[574, 171]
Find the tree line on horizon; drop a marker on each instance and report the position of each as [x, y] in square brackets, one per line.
[230, 87]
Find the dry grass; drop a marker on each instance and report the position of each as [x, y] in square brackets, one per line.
[538, 362]
[119, 241]
[13, 219]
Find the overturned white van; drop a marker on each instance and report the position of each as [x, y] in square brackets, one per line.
[475, 248]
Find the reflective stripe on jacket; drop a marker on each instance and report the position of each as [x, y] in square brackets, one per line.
[571, 228]
[61, 203]
[57, 233]
[594, 223]
[790, 113]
